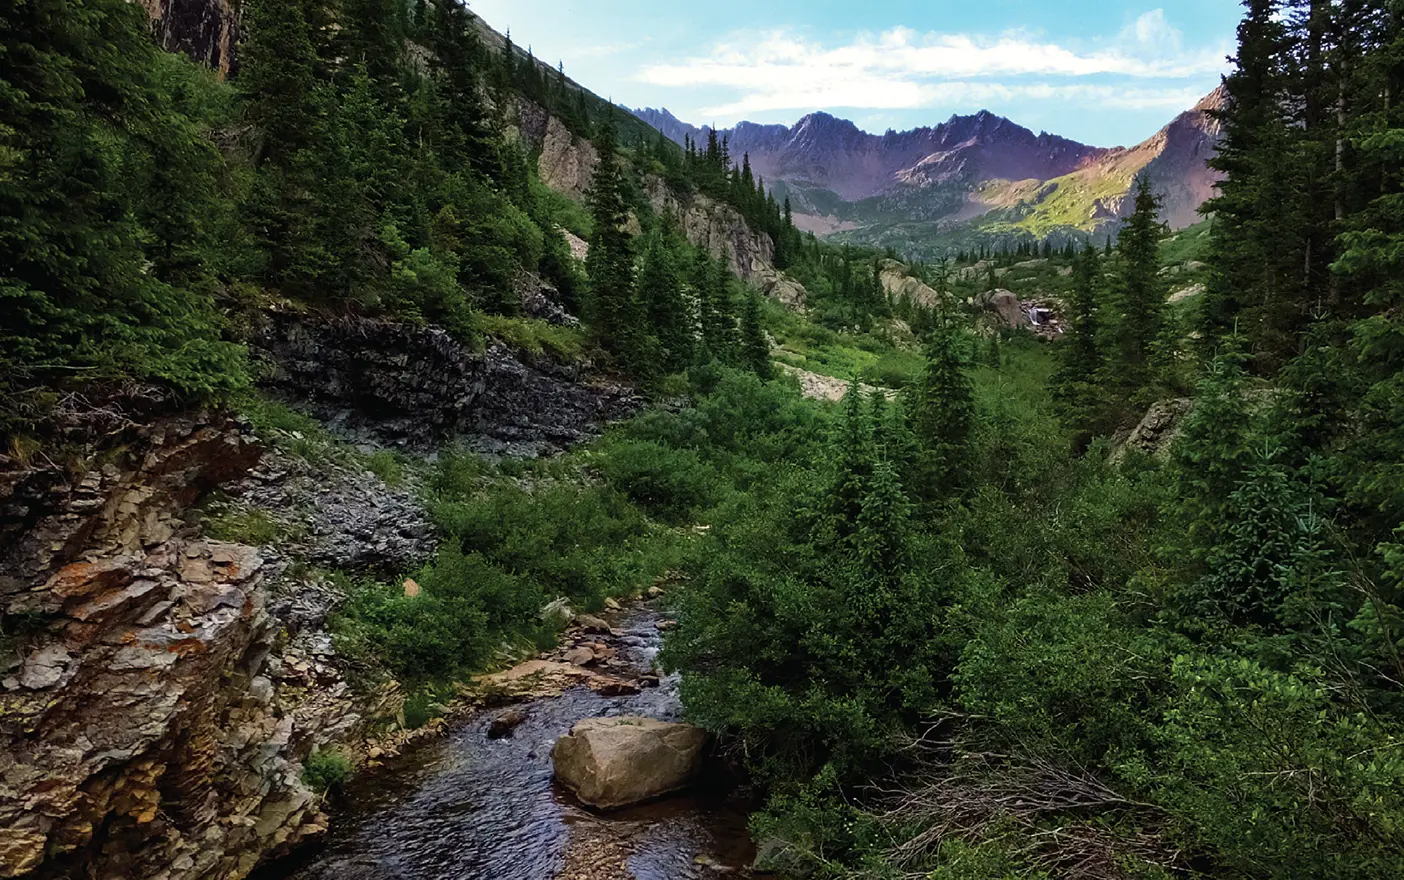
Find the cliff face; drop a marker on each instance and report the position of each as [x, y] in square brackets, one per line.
[206, 30]
[418, 387]
[160, 691]
[567, 164]
[152, 720]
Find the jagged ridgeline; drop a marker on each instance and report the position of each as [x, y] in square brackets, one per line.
[366, 157]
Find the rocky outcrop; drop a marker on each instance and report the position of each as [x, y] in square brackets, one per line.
[824, 388]
[542, 301]
[1156, 433]
[418, 386]
[567, 165]
[154, 715]
[900, 284]
[1004, 305]
[615, 762]
[717, 227]
[206, 30]
[567, 162]
[333, 515]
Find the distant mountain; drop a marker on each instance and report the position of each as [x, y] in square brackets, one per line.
[970, 176]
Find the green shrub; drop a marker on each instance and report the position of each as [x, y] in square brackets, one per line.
[388, 467]
[672, 484]
[253, 527]
[326, 770]
[534, 337]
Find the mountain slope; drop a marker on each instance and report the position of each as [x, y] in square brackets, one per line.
[969, 177]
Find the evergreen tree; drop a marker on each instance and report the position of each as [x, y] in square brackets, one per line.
[610, 264]
[1138, 293]
[660, 290]
[941, 410]
[85, 291]
[712, 283]
[848, 481]
[755, 347]
[1080, 355]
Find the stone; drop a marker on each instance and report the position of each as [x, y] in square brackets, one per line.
[45, 667]
[612, 604]
[592, 624]
[1156, 433]
[614, 762]
[581, 656]
[612, 687]
[506, 722]
[1188, 293]
[1005, 306]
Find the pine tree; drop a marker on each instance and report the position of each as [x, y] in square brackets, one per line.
[661, 293]
[712, 283]
[615, 318]
[847, 485]
[85, 291]
[1080, 355]
[941, 410]
[461, 124]
[1139, 295]
[755, 347]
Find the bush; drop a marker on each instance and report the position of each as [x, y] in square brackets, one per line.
[326, 771]
[534, 337]
[672, 484]
[582, 542]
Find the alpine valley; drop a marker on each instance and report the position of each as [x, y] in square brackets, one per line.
[978, 179]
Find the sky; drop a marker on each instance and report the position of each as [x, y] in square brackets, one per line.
[1103, 72]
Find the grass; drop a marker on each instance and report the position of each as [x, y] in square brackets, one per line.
[388, 466]
[570, 214]
[326, 771]
[535, 337]
[1187, 245]
[253, 527]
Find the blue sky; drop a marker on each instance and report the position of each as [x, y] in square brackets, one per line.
[1104, 73]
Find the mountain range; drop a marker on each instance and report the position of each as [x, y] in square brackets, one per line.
[971, 177]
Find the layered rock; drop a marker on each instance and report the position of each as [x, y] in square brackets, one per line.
[206, 30]
[153, 715]
[900, 284]
[615, 762]
[418, 386]
[1155, 434]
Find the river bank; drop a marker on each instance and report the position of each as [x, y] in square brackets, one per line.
[466, 804]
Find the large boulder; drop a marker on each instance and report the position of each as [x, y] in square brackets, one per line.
[1005, 305]
[1157, 432]
[615, 762]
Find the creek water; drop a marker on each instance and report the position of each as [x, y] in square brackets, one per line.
[466, 807]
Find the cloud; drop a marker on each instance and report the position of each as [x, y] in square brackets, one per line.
[901, 69]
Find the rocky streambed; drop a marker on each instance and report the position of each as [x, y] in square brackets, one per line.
[481, 802]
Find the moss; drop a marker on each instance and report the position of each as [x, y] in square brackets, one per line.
[326, 771]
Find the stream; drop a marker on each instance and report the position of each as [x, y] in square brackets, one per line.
[465, 806]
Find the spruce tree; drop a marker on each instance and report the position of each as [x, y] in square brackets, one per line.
[1080, 354]
[755, 347]
[86, 292]
[847, 485]
[615, 318]
[660, 291]
[941, 410]
[1138, 294]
